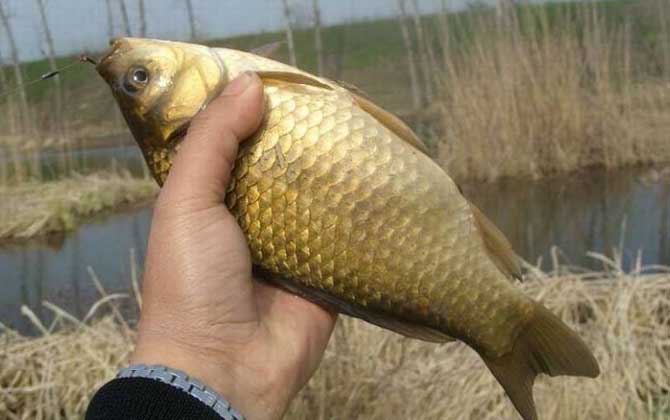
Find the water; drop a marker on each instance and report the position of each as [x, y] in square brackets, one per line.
[59, 272]
[590, 212]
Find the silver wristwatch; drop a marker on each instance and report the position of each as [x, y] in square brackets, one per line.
[182, 381]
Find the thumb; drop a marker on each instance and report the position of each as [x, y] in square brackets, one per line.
[201, 171]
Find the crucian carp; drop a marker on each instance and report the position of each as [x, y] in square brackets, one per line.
[341, 204]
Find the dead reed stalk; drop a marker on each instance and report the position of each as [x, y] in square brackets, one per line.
[551, 91]
[288, 28]
[417, 96]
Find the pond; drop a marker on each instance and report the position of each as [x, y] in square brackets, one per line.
[627, 211]
[593, 211]
[60, 272]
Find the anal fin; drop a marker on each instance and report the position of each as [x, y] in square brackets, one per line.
[497, 245]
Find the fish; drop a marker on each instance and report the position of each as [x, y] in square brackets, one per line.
[340, 203]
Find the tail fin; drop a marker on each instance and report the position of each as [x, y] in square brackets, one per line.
[547, 346]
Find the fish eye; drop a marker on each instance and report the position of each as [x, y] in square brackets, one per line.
[136, 79]
[140, 76]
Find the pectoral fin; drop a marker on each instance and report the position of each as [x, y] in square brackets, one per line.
[322, 298]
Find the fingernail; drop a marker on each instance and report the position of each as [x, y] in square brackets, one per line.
[238, 85]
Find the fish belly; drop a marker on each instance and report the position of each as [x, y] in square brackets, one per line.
[331, 199]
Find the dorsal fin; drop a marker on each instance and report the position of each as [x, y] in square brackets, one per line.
[291, 77]
[353, 89]
[388, 120]
[267, 50]
[497, 246]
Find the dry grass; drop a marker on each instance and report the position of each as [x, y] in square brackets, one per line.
[554, 90]
[35, 208]
[369, 373]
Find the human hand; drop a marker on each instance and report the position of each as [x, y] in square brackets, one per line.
[202, 312]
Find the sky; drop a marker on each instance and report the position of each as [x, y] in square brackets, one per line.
[81, 25]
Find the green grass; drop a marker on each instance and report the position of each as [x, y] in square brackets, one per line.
[71, 79]
[360, 47]
[363, 44]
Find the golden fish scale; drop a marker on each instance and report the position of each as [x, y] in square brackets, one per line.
[329, 197]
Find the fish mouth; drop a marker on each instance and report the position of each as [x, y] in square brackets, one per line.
[115, 48]
[108, 65]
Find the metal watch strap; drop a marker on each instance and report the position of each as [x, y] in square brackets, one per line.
[182, 381]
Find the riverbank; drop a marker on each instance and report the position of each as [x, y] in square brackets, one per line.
[35, 208]
[369, 373]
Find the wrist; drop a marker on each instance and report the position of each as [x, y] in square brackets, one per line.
[175, 403]
[255, 394]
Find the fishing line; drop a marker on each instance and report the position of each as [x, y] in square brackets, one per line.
[46, 76]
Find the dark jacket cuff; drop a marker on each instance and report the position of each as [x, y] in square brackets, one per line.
[145, 399]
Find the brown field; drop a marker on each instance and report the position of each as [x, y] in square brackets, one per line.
[369, 373]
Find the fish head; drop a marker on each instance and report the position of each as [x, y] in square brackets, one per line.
[159, 87]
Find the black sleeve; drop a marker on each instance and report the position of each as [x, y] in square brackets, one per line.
[145, 399]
